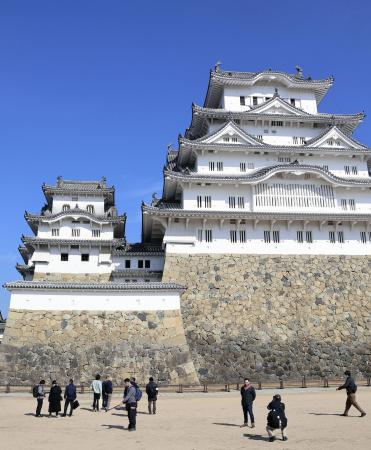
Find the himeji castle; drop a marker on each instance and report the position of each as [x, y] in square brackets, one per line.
[261, 170]
[255, 260]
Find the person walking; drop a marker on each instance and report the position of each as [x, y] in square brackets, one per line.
[69, 397]
[40, 397]
[248, 396]
[152, 391]
[351, 389]
[96, 386]
[131, 404]
[55, 398]
[107, 392]
[276, 419]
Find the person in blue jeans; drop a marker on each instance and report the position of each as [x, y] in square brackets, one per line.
[248, 395]
[69, 397]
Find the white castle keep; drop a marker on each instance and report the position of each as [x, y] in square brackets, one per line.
[261, 171]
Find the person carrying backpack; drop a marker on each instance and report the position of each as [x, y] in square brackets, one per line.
[69, 397]
[248, 396]
[131, 404]
[152, 391]
[351, 389]
[276, 419]
[38, 392]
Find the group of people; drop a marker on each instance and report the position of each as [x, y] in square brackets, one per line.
[55, 398]
[132, 394]
[276, 418]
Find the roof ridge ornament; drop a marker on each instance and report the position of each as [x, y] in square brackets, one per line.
[59, 180]
[276, 94]
[299, 71]
[217, 66]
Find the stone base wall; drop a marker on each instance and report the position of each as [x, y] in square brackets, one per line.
[61, 344]
[274, 316]
[73, 277]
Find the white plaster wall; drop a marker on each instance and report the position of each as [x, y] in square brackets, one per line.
[157, 262]
[82, 202]
[75, 300]
[231, 162]
[255, 239]
[65, 229]
[231, 97]
[220, 197]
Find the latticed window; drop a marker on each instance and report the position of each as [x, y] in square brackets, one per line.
[242, 101]
[250, 165]
[232, 202]
[363, 237]
[66, 207]
[211, 166]
[55, 231]
[90, 209]
[219, 166]
[352, 204]
[199, 201]
[233, 236]
[344, 205]
[207, 201]
[308, 237]
[347, 170]
[354, 170]
[277, 123]
[75, 232]
[241, 202]
[208, 235]
[242, 167]
[95, 233]
[331, 236]
[242, 234]
[341, 237]
[267, 237]
[299, 236]
[199, 235]
[276, 236]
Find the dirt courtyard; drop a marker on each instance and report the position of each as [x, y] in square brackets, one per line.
[190, 422]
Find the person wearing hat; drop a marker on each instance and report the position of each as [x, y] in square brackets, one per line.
[351, 389]
[276, 419]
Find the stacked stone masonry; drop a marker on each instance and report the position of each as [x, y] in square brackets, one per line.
[54, 344]
[264, 316]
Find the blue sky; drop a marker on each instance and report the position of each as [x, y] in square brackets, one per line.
[91, 88]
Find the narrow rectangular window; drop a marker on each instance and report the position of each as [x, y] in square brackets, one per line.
[64, 256]
[295, 140]
[242, 236]
[308, 237]
[241, 202]
[55, 231]
[226, 138]
[363, 237]
[140, 263]
[242, 167]
[95, 233]
[232, 202]
[147, 263]
[207, 201]
[267, 237]
[234, 139]
[208, 235]
[277, 123]
[352, 204]
[325, 168]
[299, 236]
[341, 237]
[75, 232]
[219, 166]
[242, 101]
[85, 257]
[276, 236]
[284, 159]
[354, 170]
[292, 101]
[211, 166]
[255, 101]
[127, 263]
[302, 141]
[199, 235]
[233, 236]
[347, 170]
[199, 201]
[344, 206]
[331, 236]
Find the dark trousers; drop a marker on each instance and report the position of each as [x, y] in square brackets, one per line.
[67, 402]
[247, 408]
[132, 415]
[96, 401]
[39, 406]
[152, 406]
[351, 401]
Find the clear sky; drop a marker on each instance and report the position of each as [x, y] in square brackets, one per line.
[101, 87]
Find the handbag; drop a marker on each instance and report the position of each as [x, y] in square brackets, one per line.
[75, 404]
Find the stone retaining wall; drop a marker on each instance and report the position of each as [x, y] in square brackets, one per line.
[274, 315]
[60, 344]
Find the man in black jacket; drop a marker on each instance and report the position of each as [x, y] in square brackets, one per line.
[248, 395]
[351, 388]
[152, 391]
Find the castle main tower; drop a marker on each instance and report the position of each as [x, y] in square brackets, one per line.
[265, 215]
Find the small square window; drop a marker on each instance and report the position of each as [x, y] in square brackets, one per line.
[127, 263]
[64, 256]
[147, 263]
[140, 263]
[85, 257]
